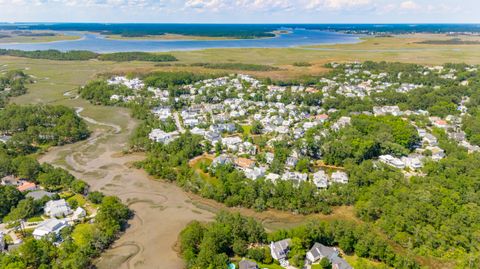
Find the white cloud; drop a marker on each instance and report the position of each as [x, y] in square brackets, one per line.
[205, 5]
[266, 5]
[337, 4]
[409, 5]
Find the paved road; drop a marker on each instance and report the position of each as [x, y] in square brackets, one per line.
[178, 123]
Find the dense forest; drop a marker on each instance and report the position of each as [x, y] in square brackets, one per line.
[368, 137]
[12, 83]
[231, 235]
[37, 125]
[82, 55]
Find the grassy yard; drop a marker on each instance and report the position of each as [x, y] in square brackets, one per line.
[197, 166]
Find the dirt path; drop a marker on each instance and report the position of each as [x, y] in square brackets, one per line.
[161, 210]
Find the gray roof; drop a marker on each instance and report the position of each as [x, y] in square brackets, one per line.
[246, 264]
[319, 251]
[280, 248]
[37, 195]
[339, 263]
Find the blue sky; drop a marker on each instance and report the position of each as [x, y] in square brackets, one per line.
[242, 11]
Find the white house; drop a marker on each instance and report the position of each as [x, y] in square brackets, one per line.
[272, 177]
[47, 227]
[320, 179]
[339, 177]
[319, 251]
[160, 136]
[57, 208]
[392, 161]
[279, 251]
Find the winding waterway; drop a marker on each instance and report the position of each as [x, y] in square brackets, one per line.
[98, 43]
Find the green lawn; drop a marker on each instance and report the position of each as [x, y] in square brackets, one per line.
[204, 176]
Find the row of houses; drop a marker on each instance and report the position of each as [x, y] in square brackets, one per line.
[280, 249]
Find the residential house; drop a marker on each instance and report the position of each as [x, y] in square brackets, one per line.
[2, 242]
[78, 214]
[273, 177]
[49, 227]
[430, 140]
[162, 113]
[342, 122]
[279, 251]
[39, 194]
[27, 186]
[246, 264]
[320, 179]
[11, 180]
[244, 163]
[320, 251]
[412, 162]
[213, 137]
[440, 124]
[392, 161]
[291, 162]
[387, 110]
[295, 176]
[437, 153]
[269, 157]
[255, 173]
[198, 131]
[57, 208]
[221, 160]
[160, 136]
[247, 148]
[339, 177]
[232, 143]
[4, 138]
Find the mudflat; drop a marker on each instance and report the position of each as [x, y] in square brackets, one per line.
[161, 209]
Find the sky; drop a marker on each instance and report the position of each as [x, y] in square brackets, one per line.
[242, 11]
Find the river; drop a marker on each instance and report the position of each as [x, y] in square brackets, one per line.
[98, 43]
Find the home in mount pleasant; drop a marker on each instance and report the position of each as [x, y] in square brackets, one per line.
[320, 251]
[27, 186]
[429, 140]
[2, 242]
[269, 157]
[339, 177]
[162, 113]
[57, 208]
[39, 194]
[4, 138]
[244, 163]
[320, 179]
[159, 136]
[296, 177]
[246, 264]
[273, 177]
[255, 173]
[387, 110]
[221, 160]
[291, 162]
[437, 153]
[232, 143]
[413, 162]
[279, 251]
[342, 122]
[11, 180]
[213, 137]
[392, 161]
[49, 227]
